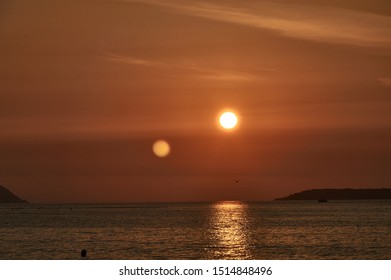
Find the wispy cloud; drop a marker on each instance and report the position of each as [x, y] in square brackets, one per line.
[133, 60]
[385, 81]
[196, 70]
[308, 22]
[229, 76]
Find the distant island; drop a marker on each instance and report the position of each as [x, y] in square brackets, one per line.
[8, 197]
[339, 194]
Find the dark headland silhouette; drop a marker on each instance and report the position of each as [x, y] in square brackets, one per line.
[8, 197]
[339, 194]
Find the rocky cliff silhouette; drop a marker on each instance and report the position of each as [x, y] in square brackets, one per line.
[339, 194]
[8, 197]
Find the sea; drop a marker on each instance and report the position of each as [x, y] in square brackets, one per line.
[279, 230]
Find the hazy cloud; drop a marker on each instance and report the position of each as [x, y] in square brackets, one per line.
[308, 22]
[133, 60]
[385, 81]
[202, 72]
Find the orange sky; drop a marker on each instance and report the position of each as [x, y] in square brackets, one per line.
[86, 87]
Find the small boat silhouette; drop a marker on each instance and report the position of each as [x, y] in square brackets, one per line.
[322, 200]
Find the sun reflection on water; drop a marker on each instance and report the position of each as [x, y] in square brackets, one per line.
[229, 231]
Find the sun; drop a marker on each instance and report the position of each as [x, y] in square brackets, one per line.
[228, 120]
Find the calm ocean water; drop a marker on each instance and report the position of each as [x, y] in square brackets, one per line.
[222, 230]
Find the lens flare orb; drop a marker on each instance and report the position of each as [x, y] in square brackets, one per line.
[161, 148]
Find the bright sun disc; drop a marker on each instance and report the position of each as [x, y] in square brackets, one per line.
[161, 148]
[228, 120]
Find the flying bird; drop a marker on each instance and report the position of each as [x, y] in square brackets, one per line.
[236, 180]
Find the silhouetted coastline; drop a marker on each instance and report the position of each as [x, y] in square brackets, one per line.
[8, 197]
[339, 194]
